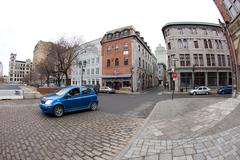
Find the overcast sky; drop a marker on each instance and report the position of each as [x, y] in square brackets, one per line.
[24, 22]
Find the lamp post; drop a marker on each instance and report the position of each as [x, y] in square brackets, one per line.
[131, 70]
[173, 71]
[81, 65]
[193, 80]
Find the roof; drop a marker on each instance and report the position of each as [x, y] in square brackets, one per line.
[190, 23]
[120, 29]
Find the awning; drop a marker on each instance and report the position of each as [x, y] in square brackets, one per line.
[117, 76]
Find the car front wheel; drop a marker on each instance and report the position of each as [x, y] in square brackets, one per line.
[207, 93]
[58, 111]
[194, 93]
[93, 106]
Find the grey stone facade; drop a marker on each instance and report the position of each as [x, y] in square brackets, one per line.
[198, 53]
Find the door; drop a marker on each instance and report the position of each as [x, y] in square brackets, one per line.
[86, 97]
[72, 100]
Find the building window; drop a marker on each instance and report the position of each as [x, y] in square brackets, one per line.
[117, 35]
[125, 61]
[116, 48]
[196, 62]
[180, 44]
[143, 63]
[233, 7]
[182, 60]
[185, 44]
[97, 60]
[92, 71]
[210, 43]
[116, 62]
[223, 60]
[108, 63]
[220, 44]
[169, 45]
[93, 60]
[109, 36]
[208, 60]
[139, 48]
[109, 49]
[88, 71]
[126, 47]
[187, 57]
[237, 4]
[196, 44]
[217, 45]
[139, 59]
[219, 60]
[213, 59]
[200, 56]
[97, 70]
[228, 60]
[205, 43]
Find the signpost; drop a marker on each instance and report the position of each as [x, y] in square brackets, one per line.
[174, 77]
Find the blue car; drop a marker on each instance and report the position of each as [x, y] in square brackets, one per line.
[225, 90]
[68, 99]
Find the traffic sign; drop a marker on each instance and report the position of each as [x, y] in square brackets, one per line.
[174, 75]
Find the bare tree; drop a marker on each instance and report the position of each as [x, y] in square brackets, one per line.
[65, 53]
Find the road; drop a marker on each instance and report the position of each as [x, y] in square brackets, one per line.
[139, 105]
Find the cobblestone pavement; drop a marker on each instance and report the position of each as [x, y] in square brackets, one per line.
[27, 133]
[188, 136]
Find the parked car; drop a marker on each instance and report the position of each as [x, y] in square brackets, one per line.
[106, 89]
[200, 90]
[225, 90]
[68, 99]
[95, 87]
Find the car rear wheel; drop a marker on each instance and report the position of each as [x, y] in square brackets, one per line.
[194, 93]
[93, 106]
[58, 111]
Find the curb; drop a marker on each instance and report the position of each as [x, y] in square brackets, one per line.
[124, 151]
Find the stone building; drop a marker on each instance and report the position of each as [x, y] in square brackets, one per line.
[88, 65]
[161, 54]
[230, 11]
[198, 53]
[18, 69]
[127, 60]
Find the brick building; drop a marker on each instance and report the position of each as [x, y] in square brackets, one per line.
[127, 61]
[230, 11]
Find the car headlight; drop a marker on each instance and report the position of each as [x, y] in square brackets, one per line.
[48, 102]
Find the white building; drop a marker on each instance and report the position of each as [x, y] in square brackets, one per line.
[88, 66]
[18, 69]
[1, 69]
[161, 54]
[198, 52]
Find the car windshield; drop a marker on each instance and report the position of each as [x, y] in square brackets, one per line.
[63, 91]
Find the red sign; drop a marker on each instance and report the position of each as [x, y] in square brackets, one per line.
[174, 75]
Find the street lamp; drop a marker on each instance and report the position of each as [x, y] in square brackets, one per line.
[193, 80]
[82, 64]
[173, 71]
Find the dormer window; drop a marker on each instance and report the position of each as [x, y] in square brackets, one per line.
[117, 35]
[109, 36]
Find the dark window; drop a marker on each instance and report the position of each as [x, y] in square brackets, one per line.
[205, 43]
[182, 60]
[196, 62]
[86, 91]
[228, 60]
[108, 63]
[201, 60]
[196, 44]
[208, 60]
[126, 47]
[116, 62]
[169, 45]
[210, 43]
[74, 92]
[139, 62]
[219, 60]
[125, 61]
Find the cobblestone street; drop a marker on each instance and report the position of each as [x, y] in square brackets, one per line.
[27, 133]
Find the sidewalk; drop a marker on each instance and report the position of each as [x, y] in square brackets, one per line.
[180, 134]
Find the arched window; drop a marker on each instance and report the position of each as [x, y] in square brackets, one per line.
[116, 62]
